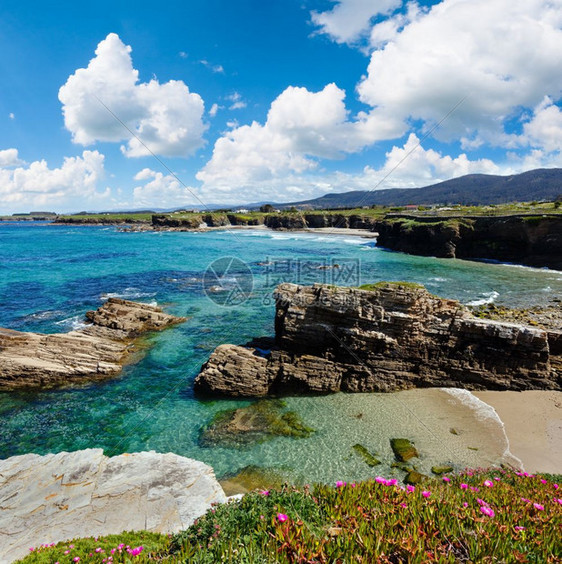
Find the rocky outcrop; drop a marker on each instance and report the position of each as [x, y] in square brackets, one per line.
[97, 351]
[57, 497]
[529, 240]
[189, 222]
[389, 337]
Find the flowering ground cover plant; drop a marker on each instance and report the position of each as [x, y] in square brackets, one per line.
[476, 516]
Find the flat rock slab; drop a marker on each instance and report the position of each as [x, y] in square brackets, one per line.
[58, 497]
[97, 351]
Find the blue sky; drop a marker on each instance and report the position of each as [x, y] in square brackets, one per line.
[283, 100]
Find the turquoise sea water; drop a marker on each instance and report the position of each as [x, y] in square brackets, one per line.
[51, 275]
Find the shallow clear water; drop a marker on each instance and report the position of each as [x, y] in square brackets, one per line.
[51, 275]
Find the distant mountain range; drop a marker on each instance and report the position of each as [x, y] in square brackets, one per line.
[473, 189]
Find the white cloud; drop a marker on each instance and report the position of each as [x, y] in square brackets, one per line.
[300, 124]
[500, 54]
[9, 157]
[162, 191]
[237, 102]
[183, 54]
[75, 183]
[350, 19]
[11, 115]
[166, 117]
[214, 68]
[407, 166]
[544, 130]
[214, 109]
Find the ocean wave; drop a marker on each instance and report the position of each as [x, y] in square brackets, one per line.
[488, 298]
[483, 411]
[128, 294]
[72, 323]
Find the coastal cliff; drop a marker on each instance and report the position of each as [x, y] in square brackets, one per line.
[529, 240]
[97, 351]
[389, 337]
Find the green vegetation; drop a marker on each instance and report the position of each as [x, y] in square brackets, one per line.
[109, 217]
[140, 546]
[495, 515]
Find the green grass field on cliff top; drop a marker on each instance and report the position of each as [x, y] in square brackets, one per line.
[496, 515]
[531, 208]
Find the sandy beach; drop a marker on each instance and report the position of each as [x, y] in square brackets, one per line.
[533, 424]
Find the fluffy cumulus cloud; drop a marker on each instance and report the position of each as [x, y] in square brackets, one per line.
[159, 190]
[406, 166]
[544, 130]
[348, 20]
[75, 183]
[301, 127]
[9, 157]
[496, 56]
[167, 117]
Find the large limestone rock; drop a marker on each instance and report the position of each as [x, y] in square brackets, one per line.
[57, 497]
[97, 351]
[387, 338]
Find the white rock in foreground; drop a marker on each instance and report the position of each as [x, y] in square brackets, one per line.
[56, 497]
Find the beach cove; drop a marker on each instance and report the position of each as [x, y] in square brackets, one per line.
[151, 406]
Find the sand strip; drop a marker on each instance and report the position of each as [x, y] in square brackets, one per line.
[533, 424]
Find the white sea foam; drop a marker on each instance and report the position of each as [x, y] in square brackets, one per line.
[72, 323]
[483, 411]
[488, 298]
[128, 294]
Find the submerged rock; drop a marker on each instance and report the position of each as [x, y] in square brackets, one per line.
[388, 337]
[258, 422]
[251, 478]
[403, 449]
[368, 458]
[438, 470]
[62, 496]
[97, 351]
[414, 478]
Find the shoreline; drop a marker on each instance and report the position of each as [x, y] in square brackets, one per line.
[533, 425]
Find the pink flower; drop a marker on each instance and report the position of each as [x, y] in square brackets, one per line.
[446, 479]
[403, 505]
[99, 549]
[474, 489]
[497, 479]
[488, 511]
[426, 493]
[543, 481]
[555, 486]
[380, 480]
[340, 484]
[481, 501]
[526, 500]
[281, 517]
[411, 488]
[264, 492]
[488, 483]
[464, 486]
[558, 500]
[392, 482]
[538, 506]
[465, 504]
[67, 551]
[76, 559]
[518, 528]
